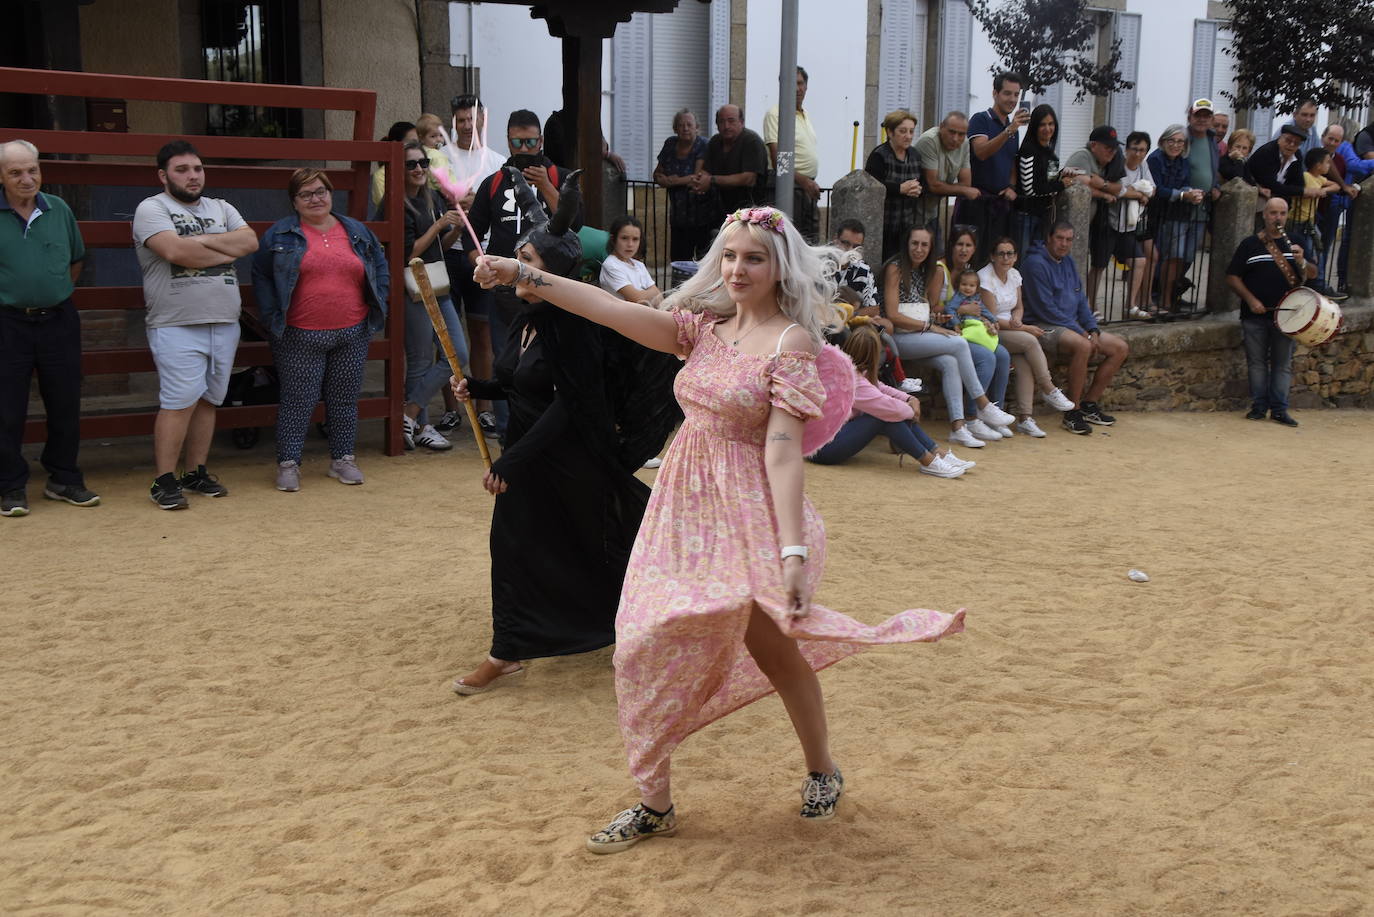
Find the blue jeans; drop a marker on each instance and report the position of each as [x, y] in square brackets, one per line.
[906, 435]
[1027, 228]
[1269, 359]
[1328, 223]
[994, 368]
[426, 373]
[949, 353]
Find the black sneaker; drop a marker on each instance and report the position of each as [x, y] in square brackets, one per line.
[74, 494]
[1284, 418]
[204, 483]
[166, 493]
[820, 793]
[1092, 412]
[14, 503]
[451, 421]
[1255, 414]
[487, 421]
[1074, 423]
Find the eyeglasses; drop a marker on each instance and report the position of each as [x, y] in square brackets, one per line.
[318, 194]
[413, 164]
[1174, 140]
[528, 143]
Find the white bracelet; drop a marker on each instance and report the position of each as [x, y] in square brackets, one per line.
[794, 550]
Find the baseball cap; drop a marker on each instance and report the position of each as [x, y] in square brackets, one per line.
[1200, 104]
[1103, 133]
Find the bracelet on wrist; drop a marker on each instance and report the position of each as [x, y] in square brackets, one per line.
[794, 550]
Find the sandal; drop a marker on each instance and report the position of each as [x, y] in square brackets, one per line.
[503, 678]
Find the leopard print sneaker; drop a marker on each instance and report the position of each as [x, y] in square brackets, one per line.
[630, 827]
[820, 793]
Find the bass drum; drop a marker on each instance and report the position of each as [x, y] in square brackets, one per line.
[1308, 317]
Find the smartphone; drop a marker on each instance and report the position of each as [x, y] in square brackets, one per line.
[523, 161]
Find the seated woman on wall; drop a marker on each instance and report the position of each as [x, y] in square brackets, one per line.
[993, 364]
[1000, 288]
[904, 301]
[622, 273]
[880, 410]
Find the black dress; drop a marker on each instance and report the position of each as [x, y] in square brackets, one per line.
[561, 533]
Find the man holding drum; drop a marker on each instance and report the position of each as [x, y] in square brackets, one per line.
[1265, 267]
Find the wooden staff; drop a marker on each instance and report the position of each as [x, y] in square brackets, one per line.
[436, 318]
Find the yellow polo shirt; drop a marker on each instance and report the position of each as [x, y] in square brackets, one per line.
[806, 162]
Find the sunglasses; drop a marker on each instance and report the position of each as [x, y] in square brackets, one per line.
[413, 164]
[528, 143]
[1005, 254]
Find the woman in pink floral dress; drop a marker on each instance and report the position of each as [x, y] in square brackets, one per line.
[716, 612]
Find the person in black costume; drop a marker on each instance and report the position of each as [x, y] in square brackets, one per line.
[587, 408]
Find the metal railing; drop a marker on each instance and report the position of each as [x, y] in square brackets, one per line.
[648, 203]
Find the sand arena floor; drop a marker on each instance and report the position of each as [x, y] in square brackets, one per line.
[244, 708]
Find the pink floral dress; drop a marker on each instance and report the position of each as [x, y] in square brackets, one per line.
[708, 551]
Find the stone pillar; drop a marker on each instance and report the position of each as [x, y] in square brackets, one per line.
[1076, 205]
[1233, 221]
[859, 196]
[1361, 228]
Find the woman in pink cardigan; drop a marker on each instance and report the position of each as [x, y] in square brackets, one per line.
[883, 410]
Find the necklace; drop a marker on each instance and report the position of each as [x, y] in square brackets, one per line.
[739, 335]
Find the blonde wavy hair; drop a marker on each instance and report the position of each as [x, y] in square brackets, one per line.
[805, 274]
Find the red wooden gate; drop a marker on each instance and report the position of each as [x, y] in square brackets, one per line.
[360, 152]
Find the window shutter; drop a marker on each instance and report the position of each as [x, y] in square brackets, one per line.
[1123, 102]
[1204, 59]
[1075, 118]
[632, 105]
[681, 43]
[916, 96]
[896, 60]
[720, 64]
[1262, 123]
[1223, 72]
[956, 42]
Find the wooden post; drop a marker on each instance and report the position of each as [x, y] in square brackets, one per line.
[589, 130]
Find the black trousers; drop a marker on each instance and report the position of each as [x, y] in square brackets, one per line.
[51, 346]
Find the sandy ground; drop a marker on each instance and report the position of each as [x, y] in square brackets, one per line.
[244, 708]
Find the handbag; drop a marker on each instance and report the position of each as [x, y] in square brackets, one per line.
[917, 311]
[435, 270]
[438, 279]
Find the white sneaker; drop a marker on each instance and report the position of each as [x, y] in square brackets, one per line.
[941, 468]
[653, 463]
[1030, 428]
[963, 437]
[955, 460]
[408, 430]
[983, 431]
[1057, 400]
[1004, 431]
[431, 438]
[910, 386]
[995, 416]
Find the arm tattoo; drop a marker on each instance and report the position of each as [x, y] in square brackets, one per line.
[780, 437]
[524, 274]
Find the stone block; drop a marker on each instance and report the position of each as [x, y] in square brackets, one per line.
[1361, 275]
[1233, 219]
[859, 196]
[1076, 205]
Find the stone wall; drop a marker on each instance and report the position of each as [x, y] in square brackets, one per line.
[1200, 366]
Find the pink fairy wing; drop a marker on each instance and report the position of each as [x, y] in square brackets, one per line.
[837, 375]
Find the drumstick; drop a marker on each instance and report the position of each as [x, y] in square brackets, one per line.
[436, 318]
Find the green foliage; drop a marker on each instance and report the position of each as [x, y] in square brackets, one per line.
[1317, 49]
[1044, 41]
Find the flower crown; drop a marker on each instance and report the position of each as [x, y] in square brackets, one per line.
[767, 217]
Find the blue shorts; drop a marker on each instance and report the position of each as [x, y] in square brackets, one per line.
[193, 362]
[1179, 239]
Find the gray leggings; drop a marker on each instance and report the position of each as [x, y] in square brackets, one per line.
[950, 355]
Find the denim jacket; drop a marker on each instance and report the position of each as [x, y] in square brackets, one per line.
[277, 266]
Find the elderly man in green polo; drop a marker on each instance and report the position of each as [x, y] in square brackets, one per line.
[40, 257]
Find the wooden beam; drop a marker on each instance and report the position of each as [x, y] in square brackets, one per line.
[589, 131]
